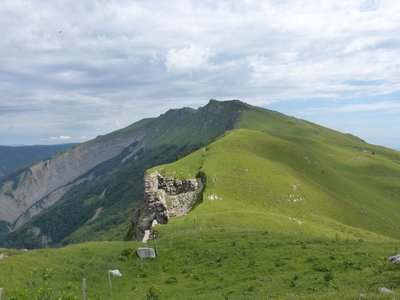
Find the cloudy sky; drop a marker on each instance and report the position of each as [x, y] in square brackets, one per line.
[70, 70]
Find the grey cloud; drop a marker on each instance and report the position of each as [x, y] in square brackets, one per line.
[113, 62]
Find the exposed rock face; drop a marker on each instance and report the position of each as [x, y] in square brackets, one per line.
[97, 214]
[165, 197]
[384, 290]
[44, 183]
[47, 201]
[395, 259]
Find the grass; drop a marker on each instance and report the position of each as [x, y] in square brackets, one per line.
[305, 187]
[201, 264]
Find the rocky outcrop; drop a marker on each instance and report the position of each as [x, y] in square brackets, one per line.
[384, 290]
[164, 198]
[395, 259]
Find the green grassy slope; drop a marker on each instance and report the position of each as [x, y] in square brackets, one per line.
[292, 175]
[195, 263]
[267, 182]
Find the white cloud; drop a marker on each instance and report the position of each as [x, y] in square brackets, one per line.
[388, 106]
[187, 59]
[78, 64]
[60, 138]
[384, 106]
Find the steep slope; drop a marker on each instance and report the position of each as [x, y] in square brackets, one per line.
[279, 173]
[90, 188]
[15, 158]
[45, 182]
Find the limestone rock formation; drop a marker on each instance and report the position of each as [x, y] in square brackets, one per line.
[165, 197]
[395, 259]
[384, 290]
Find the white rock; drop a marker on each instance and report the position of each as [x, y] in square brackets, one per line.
[395, 259]
[384, 290]
[213, 197]
[146, 236]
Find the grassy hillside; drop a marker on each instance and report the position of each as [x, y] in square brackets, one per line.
[195, 263]
[301, 179]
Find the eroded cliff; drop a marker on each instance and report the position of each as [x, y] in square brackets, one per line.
[44, 183]
[164, 198]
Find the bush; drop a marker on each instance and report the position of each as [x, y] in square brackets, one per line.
[171, 280]
[153, 294]
[328, 276]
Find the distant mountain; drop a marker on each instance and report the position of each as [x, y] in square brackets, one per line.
[89, 191]
[13, 158]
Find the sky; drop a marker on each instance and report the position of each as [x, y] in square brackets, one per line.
[71, 70]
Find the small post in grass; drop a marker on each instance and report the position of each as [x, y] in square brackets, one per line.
[143, 253]
[109, 280]
[83, 288]
[115, 272]
[155, 244]
[1, 293]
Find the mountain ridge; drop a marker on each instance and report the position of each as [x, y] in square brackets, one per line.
[97, 202]
[125, 151]
[313, 176]
[14, 158]
[268, 206]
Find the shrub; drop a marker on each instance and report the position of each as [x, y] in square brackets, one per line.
[171, 280]
[153, 294]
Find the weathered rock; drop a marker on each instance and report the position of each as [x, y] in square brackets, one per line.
[213, 197]
[164, 198]
[384, 290]
[146, 235]
[146, 252]
[395, 259]
[2, 256]
[97, 213]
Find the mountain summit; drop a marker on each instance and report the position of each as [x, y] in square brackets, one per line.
[278, 173]
[258, 167]
[88, 190]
